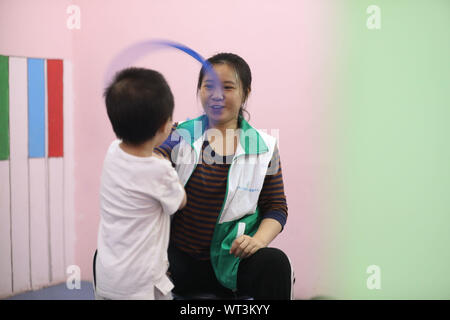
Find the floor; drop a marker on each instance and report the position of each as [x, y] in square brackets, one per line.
[58, 292]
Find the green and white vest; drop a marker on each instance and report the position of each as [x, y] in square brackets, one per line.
[239, 214]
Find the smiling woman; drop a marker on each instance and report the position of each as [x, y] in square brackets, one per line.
[236, 77]
[219, 240]
[222, 106]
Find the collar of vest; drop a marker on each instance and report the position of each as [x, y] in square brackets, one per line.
[250, 139]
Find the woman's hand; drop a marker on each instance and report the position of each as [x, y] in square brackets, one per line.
[245, 246]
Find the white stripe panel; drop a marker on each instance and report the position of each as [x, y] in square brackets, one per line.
[5, 231]
[56, 206]
[69, 221]
[18, 96]
[39, 223]
[47, 218]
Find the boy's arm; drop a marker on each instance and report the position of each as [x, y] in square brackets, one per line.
[172, 194]
[183, 203]
[165, 149]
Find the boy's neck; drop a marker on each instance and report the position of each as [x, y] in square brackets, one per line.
[143, 150]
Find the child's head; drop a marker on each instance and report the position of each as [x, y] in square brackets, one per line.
[139, 103]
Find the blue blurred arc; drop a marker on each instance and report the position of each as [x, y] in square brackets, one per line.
[130, 54]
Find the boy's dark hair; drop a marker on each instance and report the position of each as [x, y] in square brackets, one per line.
[138, 102]
[240, 66]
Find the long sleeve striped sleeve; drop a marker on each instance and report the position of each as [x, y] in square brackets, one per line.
[272, 199]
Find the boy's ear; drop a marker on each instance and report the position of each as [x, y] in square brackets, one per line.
[166, 126]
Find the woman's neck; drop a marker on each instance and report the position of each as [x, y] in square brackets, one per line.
[223, 126]
[229, 140]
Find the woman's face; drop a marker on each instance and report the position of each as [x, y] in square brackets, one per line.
[222, 106]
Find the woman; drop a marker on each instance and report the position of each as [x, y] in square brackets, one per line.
[236, 203]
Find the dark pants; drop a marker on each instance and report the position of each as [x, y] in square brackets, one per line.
[264, 275]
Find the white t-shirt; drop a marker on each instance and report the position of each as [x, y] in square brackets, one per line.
[137, 197]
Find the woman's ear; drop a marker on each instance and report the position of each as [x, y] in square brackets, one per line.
[246, 96]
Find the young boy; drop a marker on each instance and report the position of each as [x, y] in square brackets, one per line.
[139, 190]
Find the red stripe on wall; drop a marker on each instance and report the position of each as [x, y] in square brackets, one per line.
[55, 108]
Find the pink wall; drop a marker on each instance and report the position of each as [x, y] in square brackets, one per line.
[35, 29]
[286, 45]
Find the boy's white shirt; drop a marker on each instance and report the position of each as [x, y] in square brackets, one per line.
[137, 197]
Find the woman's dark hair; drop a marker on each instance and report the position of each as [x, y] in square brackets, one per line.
[138, 102]
[242, 69]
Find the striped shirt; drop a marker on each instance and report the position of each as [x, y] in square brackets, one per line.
[192, 227]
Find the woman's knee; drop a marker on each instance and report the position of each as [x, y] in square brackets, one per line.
[266, 275]
[266, 261]
[274, 258]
